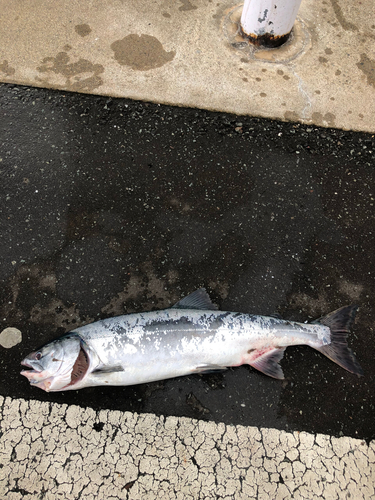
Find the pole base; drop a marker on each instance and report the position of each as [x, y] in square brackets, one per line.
[267, 40]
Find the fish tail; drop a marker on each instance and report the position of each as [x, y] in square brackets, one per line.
[339, 323]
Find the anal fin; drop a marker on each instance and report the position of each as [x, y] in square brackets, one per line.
[268, 362]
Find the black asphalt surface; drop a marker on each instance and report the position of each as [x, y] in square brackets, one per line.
[110, 206]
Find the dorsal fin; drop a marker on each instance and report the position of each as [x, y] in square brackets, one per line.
[196, 300]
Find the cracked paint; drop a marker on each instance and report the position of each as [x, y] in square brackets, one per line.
[50, 451]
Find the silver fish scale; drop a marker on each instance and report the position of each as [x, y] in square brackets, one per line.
[181, 333]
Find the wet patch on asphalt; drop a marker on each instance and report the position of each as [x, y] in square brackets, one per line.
[111, 206]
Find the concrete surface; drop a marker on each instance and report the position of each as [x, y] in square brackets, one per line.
[50, 451]
[187, 53]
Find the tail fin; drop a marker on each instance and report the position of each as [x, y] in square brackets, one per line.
[339, 322]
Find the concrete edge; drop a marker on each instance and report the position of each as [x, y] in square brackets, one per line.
[50, 451]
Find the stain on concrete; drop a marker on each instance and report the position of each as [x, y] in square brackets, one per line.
[263, 94]
[186, 5]
[328, 51]
[323, 60]
[165, 14]
[291, 116]
[141, 52]
[5, 68]
[81, 76]
[338, 72]
[367, 66]
[286, 77]
[82, 29]
[346, 25]
[327, 120]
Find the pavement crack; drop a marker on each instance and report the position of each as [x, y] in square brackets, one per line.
[303, 92]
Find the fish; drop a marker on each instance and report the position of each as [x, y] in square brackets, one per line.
[191, 337]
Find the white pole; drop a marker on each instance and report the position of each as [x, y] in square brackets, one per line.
[268, 22]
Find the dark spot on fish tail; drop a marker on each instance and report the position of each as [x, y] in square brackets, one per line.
[250, 351]
[80, 368]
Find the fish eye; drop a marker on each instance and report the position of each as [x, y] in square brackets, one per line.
[38, 355]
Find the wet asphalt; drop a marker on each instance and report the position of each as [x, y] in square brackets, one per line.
[110, 206]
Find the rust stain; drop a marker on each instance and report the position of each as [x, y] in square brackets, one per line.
[5, 68]
[267, 40]
[141, 52]
[82, 29]
[367, 66]
[80, 76]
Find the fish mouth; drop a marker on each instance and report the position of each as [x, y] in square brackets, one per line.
[32, 373]
[39, 377]
[36, 377]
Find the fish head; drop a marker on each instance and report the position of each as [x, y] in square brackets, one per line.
[56, 365]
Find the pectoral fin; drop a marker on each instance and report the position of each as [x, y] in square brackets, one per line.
[108, 369]
[208, 369]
